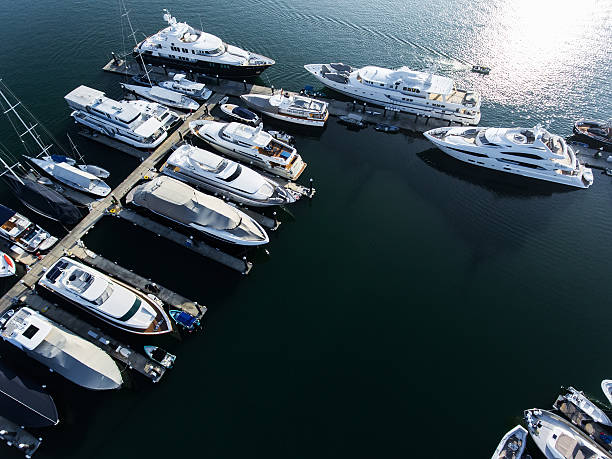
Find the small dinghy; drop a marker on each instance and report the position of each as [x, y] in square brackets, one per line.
[160, 356]
[310, 92]
[283, 137]
[606, 387]
[7, 265]
[352, 120]
[512, 444]
[94, 170]
[224, 100]
[184, 319]
[241, 114]
[481, 69]
[387, 128]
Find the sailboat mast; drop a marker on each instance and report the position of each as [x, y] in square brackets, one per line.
[133, 35]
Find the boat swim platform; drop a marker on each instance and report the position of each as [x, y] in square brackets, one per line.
[19, 438]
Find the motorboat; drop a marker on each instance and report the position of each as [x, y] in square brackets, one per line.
[192, 89]
[482, 69]
[388, 128]
[163, 114]
[581, 401]
[162, 96]
[184, 319]
[557, 438]
[512, 444]
[180, 46]
[596, 132]
[403, 89]
[71, 176]
[20, 231]
[107, 298]
[24, 402]
[180, 203]
[352, 120]
[240, 114]
[157, 354]
[203, 169]
[118, 120]
[289, 107]
[59, 349]
[7, 265]
[251, 145]
[606, 387]
[530, 152]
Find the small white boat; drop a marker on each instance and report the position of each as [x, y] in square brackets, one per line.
[606, 387]
[71, 176]
[94, 170]
[512, 444]
[180, 83]
[7, 265]
[163, 96]
[241, 114]
[292, 108]
[224, 100]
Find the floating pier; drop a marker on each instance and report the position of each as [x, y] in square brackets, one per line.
[16, 436]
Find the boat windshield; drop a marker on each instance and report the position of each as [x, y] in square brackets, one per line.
[79, 280]
[108, 291]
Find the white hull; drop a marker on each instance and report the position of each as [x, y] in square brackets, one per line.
[519, 433]
[295, 120]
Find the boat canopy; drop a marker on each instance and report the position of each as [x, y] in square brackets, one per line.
[244, 113]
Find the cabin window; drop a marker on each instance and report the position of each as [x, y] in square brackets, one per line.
[30, 332]
[185, 50]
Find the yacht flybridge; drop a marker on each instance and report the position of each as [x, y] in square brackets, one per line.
[107, 298]
[180, 46]
[289, 107]
[119, 120]
[534, 153]
[251, 145]
[402, 89]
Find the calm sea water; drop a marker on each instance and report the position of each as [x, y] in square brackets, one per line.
[416, 306]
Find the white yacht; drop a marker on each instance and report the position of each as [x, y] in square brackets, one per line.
[206, 170]
[180, 83]
[60, 350]
[71, 176]
[402, 89]
[534, 153]
[20, 231]
[180, 46]
[118, 120]
[163, 96]
[251, 145]
[557, 438]
[109, 299]
[606, 387]
[166, 117]
[289, 107]
[182, 204]
[512, 445]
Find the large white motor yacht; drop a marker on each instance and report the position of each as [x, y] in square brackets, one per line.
[251, 145]
[118, 120]
[209, 171]
[402, 89]
[534, 152]
[289, 107]
[20, 231]
[180, 46]
[109, 299]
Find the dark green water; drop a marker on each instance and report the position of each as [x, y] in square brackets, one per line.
[416, 306]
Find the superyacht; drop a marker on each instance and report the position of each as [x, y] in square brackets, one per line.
[402, 89]
[534, 152]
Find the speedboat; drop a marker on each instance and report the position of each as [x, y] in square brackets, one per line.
[606, 387]
[352, 120]
[289, 107]
[20, 231]
[109, 299]
[180, 83]
[184, 319]
[7, 265]
[402, 89]
[157, 354]
[241, 114]
[251, 145]
[596, 132]
[512, 444]
[203, 169]
[59, 349]
[178, 202]
[180, 46]
[534, 152]
[71, 176]
[162, 96]
[482, 69]
[387, 128]
[557, 438]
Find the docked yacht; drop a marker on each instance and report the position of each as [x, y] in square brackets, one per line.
[534, 153]
[182, 204]
[557, 438]
[588, 407]
[402, 89]
[251, 145]
[289, 107]
[180, 83]
[109, 299]
[596, 132]
[512, 444]
[180, 46]
[20, 231]
[166, 117]
[117, 120]
[206, 170]
[59, 349]
[162, 96]
[71, 176]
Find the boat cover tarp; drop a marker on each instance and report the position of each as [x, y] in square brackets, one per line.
[43, 199]
[244, 113]
[186, 319]
[179, 202]
[5, 214]
[23, 402]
